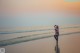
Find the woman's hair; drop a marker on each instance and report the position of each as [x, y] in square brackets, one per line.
[55, 25]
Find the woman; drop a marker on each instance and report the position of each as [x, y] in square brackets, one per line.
[56, 28]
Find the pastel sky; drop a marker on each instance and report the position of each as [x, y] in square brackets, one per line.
[38, 12]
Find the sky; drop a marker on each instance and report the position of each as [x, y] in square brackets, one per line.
[17, 13]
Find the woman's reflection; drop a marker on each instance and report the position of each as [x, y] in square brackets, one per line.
[57, 49]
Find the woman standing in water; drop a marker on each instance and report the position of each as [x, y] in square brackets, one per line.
[56, 28]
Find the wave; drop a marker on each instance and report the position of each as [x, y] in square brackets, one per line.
[30, 38]
[35, 30]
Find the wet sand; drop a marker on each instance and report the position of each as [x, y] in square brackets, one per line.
[67, 44]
